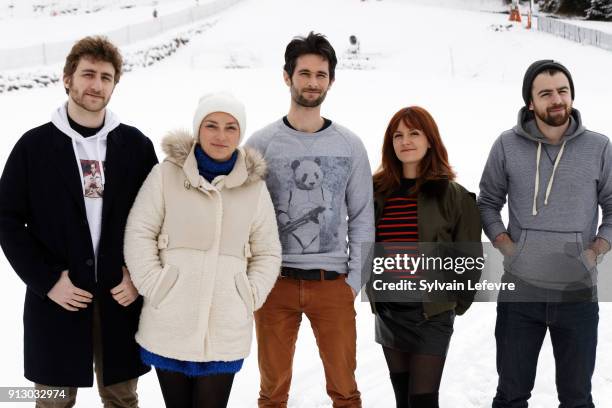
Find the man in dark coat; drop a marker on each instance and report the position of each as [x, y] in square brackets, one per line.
[63, 234]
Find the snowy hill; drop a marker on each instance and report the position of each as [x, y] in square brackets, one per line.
[453, 60]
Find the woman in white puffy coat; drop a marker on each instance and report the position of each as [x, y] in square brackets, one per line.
[202, 248]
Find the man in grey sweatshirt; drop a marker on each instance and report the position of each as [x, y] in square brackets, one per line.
[555, 175]
[319, 179]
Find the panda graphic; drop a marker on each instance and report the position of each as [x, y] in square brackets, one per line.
[303, 208]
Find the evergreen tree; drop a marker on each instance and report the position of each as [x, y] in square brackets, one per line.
[574, 7]
[522, 2]
[568, 7]
[549, 6]
[600, 10]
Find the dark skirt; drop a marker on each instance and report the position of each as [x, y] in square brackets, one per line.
[403, 327]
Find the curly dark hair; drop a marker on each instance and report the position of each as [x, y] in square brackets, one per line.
[314, 43]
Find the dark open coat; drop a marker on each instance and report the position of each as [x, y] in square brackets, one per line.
[44, 230]
[447, 213]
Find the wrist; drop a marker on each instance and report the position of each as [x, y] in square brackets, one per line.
[592, 253]
[600, 246]
[501, 239]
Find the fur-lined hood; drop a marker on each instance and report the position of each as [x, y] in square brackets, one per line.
[179, 147]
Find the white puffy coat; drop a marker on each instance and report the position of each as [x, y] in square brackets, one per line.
[204, 256]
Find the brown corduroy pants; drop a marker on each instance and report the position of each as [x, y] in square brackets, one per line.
[329, 305]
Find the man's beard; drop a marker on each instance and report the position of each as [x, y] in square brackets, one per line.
[307, 103]
[557, 119]
[79, 99]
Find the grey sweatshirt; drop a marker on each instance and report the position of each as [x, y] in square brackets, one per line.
[553, 210]
[321, 187]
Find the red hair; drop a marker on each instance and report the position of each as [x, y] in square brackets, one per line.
[433, 166]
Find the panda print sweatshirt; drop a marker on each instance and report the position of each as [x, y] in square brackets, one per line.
[321, 186]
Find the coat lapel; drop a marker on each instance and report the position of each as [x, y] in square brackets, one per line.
[65, 162]
[115, 170]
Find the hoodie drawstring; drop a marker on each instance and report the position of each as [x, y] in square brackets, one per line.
[534, 210]
[537, 177]
[552, 177]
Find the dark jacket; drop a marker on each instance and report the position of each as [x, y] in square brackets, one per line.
[447, 212]
[44, 230]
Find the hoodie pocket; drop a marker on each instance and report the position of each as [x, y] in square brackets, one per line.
[549, 259]
[519, 245]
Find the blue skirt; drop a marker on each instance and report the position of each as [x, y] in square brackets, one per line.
[190, 368]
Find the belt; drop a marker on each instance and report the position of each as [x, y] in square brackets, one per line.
[308, 274]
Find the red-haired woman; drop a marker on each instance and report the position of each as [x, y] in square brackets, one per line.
[416, 200]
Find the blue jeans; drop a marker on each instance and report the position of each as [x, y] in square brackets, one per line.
[519, 333]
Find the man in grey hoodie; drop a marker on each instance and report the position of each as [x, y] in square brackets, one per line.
[555, 175]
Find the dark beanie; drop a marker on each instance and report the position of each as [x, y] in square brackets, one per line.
[535, 69]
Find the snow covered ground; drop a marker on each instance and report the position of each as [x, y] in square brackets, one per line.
[449, 60]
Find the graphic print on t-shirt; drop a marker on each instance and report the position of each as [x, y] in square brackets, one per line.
[307, 193]
[92, 178]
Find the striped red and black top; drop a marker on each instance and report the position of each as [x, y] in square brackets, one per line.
[399, 220]
[399, 224]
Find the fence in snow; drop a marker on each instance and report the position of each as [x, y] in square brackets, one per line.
[572, 32]
[48, 53]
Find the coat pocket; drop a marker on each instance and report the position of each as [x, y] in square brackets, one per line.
[167, 280]
[180, 307]
[244, 290]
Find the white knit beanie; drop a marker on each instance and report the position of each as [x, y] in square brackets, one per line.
[219, 102]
